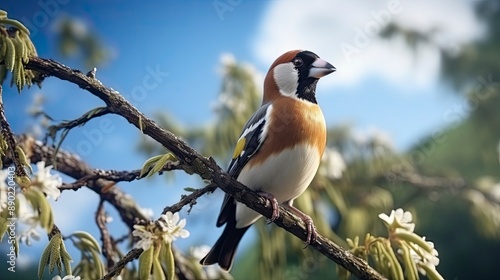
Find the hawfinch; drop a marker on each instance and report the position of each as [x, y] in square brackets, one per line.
[279, 150]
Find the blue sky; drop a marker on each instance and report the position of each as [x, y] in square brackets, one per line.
[379, 85]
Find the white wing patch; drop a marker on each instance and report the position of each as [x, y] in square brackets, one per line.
[252, 127]
[263, 134]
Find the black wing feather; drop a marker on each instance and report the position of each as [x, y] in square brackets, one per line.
[252, 144]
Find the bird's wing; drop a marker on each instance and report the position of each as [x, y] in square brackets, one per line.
[248, 144]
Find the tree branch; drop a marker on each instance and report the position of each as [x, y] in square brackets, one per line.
[74, 167]
[120, 265]
[95, 113]
[189, 199]
[111, 175]
[97, 180]
[8, 136]
[107, 245]
[204, 167]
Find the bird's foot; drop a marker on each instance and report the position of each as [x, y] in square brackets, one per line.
[274, 206]
[310, 228]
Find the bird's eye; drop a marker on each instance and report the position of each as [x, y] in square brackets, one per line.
[297, 62]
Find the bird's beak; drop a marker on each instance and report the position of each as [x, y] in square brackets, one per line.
[320, 68]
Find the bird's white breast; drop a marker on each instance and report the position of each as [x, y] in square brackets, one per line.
[286, 175]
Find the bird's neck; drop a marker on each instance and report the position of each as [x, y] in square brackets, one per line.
[307, 90]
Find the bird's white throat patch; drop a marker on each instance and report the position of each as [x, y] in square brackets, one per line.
[287, 79]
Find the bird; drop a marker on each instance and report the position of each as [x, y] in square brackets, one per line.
[279, 149]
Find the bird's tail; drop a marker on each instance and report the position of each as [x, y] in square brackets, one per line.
[224, 249]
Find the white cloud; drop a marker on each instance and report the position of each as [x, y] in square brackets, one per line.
[325, 27]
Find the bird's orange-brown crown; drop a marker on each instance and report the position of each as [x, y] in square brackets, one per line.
[284, 58]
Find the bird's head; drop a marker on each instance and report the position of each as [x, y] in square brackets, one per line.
[295, 74]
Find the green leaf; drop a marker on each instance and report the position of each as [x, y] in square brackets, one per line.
[3, 226]
[23, 181]
[10, 56]
[166, 158]
[157, 269]
[16, 24]
[55, 253]
[46, 255]
[156, 164]
[66, 259]
[97, 264]
[395, 266]
[414, 238]
[145, 263]
[170, 261]
[88, 241]
[38, 200]
[148, 165]
[431, 272]
[44, 259]
[409, 263]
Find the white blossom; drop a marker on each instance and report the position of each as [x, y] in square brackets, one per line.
[398, 219]
[48, 183]
[28, 235]
[172, 226]
[28, 216]
[146, 237]
[333, 165]
[168, 228]
[422, 257]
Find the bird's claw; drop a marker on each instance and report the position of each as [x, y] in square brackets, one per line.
[310, 229]
[274, 206]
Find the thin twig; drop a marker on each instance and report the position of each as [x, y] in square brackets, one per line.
[120, 265]
[189, 199]
[95, 113]
[111, 175]
[107, 245]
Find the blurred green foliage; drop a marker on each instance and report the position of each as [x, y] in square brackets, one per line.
[76, 40]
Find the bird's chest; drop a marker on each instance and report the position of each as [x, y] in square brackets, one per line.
[294, 123]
